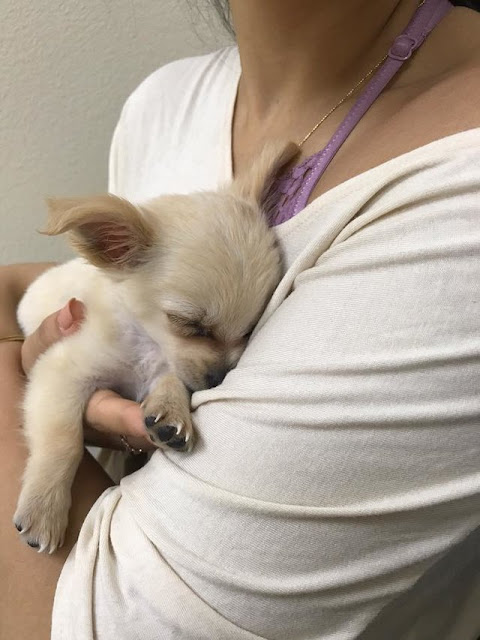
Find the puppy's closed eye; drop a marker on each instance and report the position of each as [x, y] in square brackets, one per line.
[189, 327]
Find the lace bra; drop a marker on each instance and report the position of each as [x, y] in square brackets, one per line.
[291, 189]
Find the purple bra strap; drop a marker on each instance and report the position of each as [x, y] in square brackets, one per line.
[427, 16]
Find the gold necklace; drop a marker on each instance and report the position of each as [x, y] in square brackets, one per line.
[352, 90]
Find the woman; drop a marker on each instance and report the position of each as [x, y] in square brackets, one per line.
[339, 461]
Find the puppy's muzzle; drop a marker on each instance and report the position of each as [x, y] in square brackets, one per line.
[215, 376]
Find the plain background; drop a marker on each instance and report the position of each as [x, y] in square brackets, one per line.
[67, 67]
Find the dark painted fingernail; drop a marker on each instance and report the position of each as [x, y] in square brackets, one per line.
[166, 432]
[34, 545]
[150, 421]
[18, 527]
[177, 443]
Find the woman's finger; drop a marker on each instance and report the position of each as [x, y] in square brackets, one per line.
[109, 413]
[55, 327]
[105, 440]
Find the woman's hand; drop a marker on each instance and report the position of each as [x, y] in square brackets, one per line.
[108, 416]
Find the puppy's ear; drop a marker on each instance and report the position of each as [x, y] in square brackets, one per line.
[108, 231]
[254, 183]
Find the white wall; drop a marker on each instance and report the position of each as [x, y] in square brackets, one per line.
[66, 67]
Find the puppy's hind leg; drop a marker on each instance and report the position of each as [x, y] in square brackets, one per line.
[53, 411]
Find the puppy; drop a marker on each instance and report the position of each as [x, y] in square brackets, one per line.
[173, 288]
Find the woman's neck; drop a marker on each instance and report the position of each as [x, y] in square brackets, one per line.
[311, 50]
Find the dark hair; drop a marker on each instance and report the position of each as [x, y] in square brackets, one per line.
[471, 4]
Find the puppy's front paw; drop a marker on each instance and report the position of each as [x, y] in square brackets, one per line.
[167, 417]
[41, 517]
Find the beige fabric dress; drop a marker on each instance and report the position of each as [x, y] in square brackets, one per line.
[341, 459]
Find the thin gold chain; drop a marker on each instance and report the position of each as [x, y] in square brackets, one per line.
[15, 338]
[352, 90]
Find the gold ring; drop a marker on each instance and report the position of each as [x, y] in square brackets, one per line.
[128, 447]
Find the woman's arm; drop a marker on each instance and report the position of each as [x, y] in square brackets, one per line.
[108, 415]
[14, 280]
[26, 593]
[29, 578]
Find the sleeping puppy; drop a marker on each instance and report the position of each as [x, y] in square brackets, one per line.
[173, 287]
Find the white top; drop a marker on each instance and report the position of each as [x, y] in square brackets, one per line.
[340, 460]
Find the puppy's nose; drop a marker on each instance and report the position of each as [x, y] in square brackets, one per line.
[215, 377]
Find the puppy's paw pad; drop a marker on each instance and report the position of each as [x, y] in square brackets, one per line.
[178, 437]
[165, 432]
[41, 519]
[179, 443]
[173, 431]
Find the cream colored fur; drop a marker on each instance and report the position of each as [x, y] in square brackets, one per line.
[172, 289]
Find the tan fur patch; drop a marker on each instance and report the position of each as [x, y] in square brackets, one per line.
[253, 184]
[106, 230]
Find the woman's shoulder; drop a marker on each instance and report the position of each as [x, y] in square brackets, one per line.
[451, 98]
[173, 132]
[183, 81]
[440, 94]
[423, 116]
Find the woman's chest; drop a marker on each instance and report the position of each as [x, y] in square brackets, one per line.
[404, 120]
